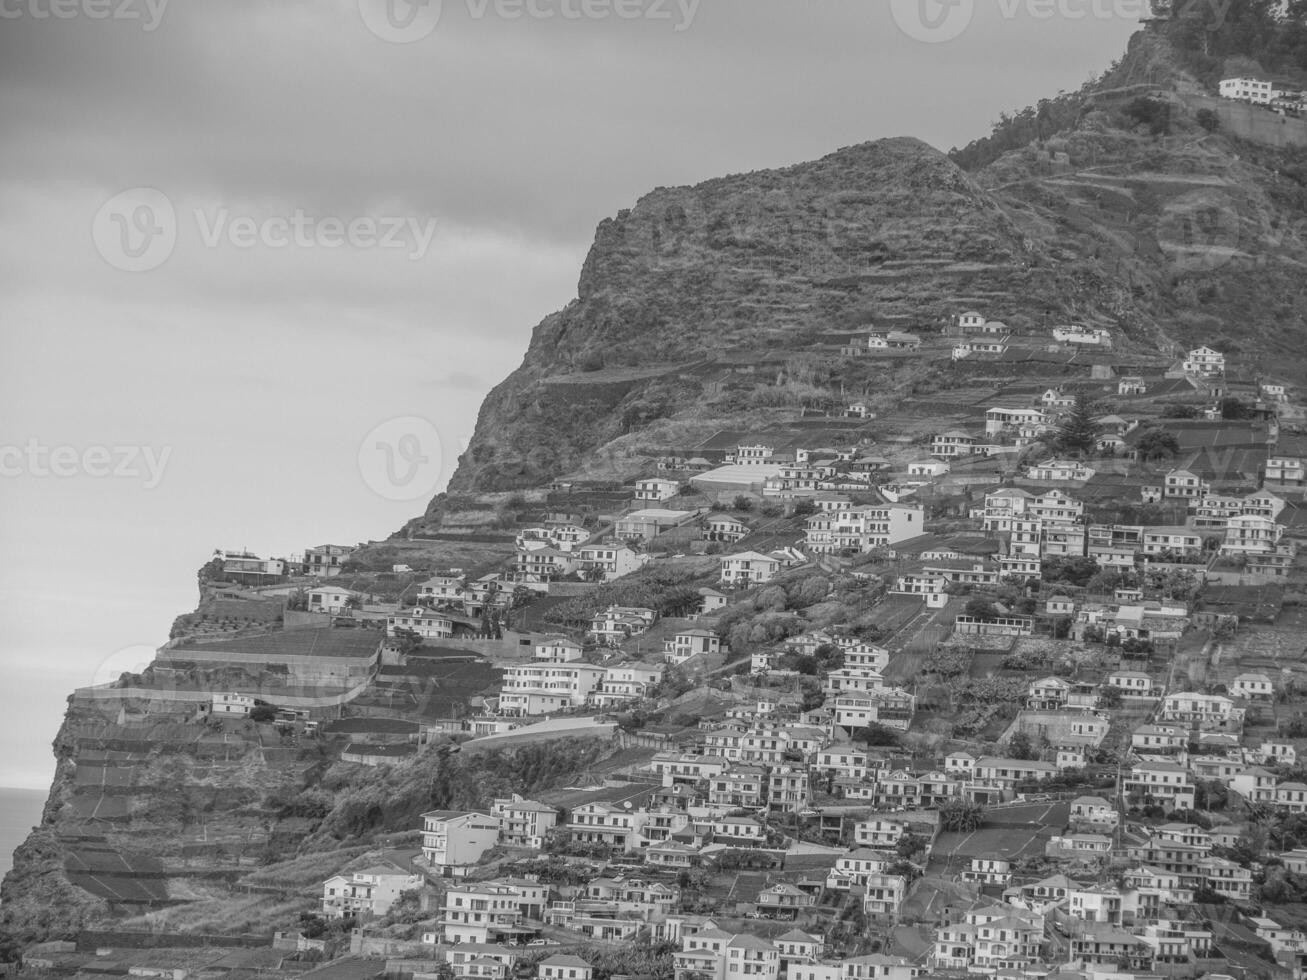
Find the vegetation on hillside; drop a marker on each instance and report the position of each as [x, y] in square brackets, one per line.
[1263, 38]
[394, 799]
[1252, 37]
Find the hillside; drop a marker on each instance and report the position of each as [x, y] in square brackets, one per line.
[703, 315]
[1122, 212]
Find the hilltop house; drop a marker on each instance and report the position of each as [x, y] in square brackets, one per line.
[326, 560]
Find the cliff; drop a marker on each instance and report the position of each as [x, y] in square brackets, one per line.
[1117, 208]
[700, 308]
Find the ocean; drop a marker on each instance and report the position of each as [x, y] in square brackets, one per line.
[20, 811]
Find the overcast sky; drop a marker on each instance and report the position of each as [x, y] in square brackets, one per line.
[355, 215]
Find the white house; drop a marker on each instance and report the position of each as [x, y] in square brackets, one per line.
[1253, 90]
[953, 443]
[562, 966]
[371, 891]
[539, 688]
[1055, 470]
[330, 599]
[610, 560]
[453, 840]
[1204, 362]
[1190, 706]
[232, 704]
[681, 646]
[1076, 334]
[1185, 485]
[710, 601]
[558, 650]
[1253, 686]
[930, 468]
[326, 560]
[998, 419]
[656, 490]
[1162, 782]
[1131, 683]
[748, 568]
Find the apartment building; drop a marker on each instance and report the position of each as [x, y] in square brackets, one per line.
[536, 689]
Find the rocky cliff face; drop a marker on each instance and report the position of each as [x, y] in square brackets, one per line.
[762, 261]
[1132, 216]
[720, 305]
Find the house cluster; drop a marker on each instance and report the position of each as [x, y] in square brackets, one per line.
[557, 548]
[1284, 97]
[559, 679]
[818, 773]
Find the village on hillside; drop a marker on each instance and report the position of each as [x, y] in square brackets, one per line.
[1002, 683]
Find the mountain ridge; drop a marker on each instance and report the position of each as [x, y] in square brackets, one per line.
[1093, 220]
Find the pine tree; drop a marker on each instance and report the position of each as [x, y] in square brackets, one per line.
[1079, 433]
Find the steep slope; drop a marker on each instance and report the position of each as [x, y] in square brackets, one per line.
[745, 263]
[1121, 210]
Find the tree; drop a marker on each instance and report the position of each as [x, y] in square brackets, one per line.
[1078, 435]
[1075, 569]
[407, 640]
[908, 845]
[1021, 747]
[1150, 112]
[263, 713]
[979, 607]
[1211, 794]
[961, 815]
[1157, 444]
[212, 570]
[1208, 119]
[1235, 408]
[877, 734]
